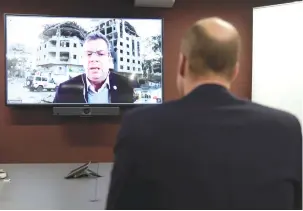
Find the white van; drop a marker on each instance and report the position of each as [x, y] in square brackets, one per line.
[40, 83]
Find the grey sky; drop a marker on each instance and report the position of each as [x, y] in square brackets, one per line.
[25, 29]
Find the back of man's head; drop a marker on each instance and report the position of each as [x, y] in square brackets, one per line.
[211, 46]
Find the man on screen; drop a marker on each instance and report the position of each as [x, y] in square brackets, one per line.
[98, 85]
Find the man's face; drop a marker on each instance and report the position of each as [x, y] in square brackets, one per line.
[96, 60]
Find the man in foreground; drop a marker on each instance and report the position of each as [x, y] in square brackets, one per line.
[210, 149]
[98, 85]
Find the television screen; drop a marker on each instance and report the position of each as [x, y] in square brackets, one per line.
[64, 60]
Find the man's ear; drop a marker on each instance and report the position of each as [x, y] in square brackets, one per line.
[111, 62]
[182, 64]
[235, 72]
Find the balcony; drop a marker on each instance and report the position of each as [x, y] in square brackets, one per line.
[52, 48]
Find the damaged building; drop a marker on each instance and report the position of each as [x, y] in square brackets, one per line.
[126, 46]
[61, 50]
[60, 53]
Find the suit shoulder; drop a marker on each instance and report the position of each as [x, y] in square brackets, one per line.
[122, 80]
[152, 111]
[119, 78]
[274, 113]
[74, 80]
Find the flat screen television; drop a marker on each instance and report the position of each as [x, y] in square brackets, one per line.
[67, 61]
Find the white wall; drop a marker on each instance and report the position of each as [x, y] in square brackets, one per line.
[277, 76]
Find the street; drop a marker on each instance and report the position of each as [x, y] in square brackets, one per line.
[16, 93]
[153, 95]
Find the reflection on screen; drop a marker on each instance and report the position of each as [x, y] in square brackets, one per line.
[83, 61]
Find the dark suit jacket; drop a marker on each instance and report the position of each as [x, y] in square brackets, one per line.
[208, 150]
[74, 90]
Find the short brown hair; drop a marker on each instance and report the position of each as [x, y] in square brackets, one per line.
[207, 54]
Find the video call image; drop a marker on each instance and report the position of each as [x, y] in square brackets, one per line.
[53, 60]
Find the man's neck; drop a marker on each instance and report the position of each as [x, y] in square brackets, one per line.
[196, 83]
[96, 84]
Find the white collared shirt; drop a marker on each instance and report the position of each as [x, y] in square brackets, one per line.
[101, 96]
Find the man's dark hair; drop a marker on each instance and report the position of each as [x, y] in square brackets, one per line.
[96, 35]
[207, 54]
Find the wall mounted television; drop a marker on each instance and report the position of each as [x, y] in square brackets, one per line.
[76, 61]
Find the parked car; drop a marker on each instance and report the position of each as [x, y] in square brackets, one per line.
[40, 83]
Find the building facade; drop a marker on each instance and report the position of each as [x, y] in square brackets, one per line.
[60, 54]
[125, 44]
